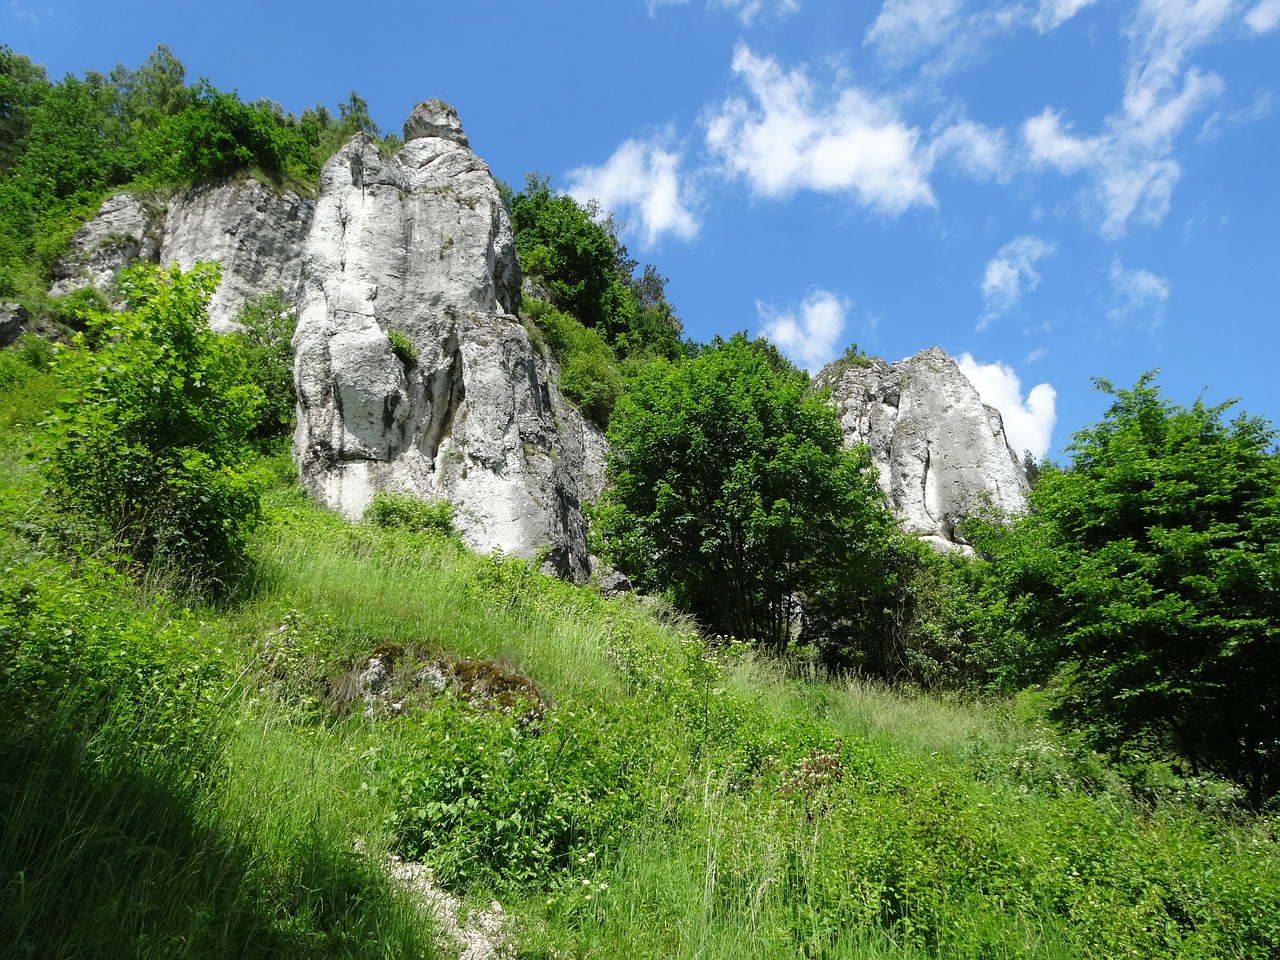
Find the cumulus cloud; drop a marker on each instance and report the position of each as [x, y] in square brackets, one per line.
[810, 333]
[789, 136]
[1137, 296]
[641, 182]
[1028, 422]
[1130, 164]
[1009, 274]
[1265, 17]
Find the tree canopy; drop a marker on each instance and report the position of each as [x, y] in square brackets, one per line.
[730, 488]
[1147, 577]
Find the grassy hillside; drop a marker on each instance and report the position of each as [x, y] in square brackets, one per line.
[180, 778]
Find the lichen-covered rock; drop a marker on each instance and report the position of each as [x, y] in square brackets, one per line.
[412, 373]
[13, 322]
[938, 449]
[255, 233]
[124, 229]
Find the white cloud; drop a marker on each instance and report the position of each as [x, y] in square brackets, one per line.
[1054, 13]
[1265, 17]
[24, 12]
[747, 10]
[1009, 274]
[950, 34]
[1028, 423]
[641, 180]
[793, 137]
[1137, 296]
[810, 333]
[979, 151]
[1130, 165]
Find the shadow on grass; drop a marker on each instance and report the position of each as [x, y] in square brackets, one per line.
[102, 858]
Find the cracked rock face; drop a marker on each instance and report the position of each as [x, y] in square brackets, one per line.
[416, 247]
[253, 232]
[938, 450]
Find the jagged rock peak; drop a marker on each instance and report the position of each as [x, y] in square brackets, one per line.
[939, 451]
[435, 118]
[413, 374]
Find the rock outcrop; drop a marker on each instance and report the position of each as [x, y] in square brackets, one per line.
[124, 229]
[938, 449]
[412, 372]
[255, 233]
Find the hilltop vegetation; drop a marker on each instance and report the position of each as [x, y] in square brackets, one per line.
[223, 708]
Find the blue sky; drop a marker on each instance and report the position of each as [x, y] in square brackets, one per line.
[1051, 190]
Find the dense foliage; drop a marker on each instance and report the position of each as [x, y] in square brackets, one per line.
[730, 487]
[600, 313]
[149, 439]
[65, 144]
[1147, 578]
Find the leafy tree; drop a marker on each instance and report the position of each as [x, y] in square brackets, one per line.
[267, 324]
[219, 136]
[1148, 576]
[22, 87]
[148, 439]
[730, 487]
[588, 273]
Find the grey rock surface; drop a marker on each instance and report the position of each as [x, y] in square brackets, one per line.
[939, 451]
[254, 232]
[418, 245]
[124, 229]
[13, 322]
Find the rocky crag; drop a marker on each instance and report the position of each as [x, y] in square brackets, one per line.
[413, 373]
[939, 451]
[255, 233]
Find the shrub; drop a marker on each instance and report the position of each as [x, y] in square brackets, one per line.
[402, 347]
[402, 511]
[267, 338]
[589, 372]
[148, 439]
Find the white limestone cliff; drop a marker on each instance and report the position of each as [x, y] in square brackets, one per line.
[253, 232]
[418, 245]
[939, 451]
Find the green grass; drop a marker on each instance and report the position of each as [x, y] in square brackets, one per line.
[184, 779]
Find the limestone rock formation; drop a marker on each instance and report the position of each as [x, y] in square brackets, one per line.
[255, 233]
[124, 230]
[13, 322]
[938, 450]
[412, 373]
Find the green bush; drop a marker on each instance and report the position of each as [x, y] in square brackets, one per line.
[402, 347]
[403, 511]
[267, 338]
[589, 371]
[148, 440]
